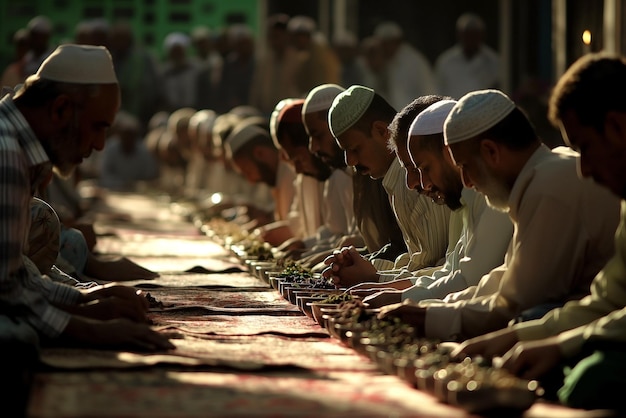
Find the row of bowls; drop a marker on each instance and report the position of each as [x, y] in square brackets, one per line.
[470, 384]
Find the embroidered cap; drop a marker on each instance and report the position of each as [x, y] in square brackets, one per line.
[348, 107]
[475, 113]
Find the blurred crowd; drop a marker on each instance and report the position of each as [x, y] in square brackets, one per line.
[172, 98]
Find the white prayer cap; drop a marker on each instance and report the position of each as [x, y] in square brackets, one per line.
[388, 31]
[239, 31]
[200, 32]
[469, 21]
[275, 118]
[78, 64]
[430, 120]
[39, 24]
[301, 24]
[348, 107]
[241, 135]
[175, 39]
[474, 113]
[321, 98]
[345, 38]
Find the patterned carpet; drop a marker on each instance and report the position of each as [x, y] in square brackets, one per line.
[242, 350]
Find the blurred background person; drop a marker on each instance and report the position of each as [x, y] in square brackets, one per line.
[317, 62]
[238, 69]
[408, 72]
[14, 74]
[178, 75]
[470, 64]
[346, 47]
[126, 160]
[210, 65]
[39, 33]
[136, 71]
[274, 75]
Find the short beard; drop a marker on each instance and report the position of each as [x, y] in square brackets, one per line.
[496, 193]
[323, 171]
[57, 151]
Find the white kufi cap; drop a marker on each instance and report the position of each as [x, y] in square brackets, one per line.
[475, 113]
[78, 64]
[241, 135]
[321, 98]
[430, 120]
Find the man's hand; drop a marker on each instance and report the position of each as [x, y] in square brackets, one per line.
[348, 268]
[407, 312]
[115, 334]
[111, 308]
[533, 359]
[489, 345]
[132, 295]
[384, 298]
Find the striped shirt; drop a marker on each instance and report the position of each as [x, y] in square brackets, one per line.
[23, 167]
[424, 224]
[485, 234]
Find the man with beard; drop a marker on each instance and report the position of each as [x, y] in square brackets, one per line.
[253, 154]
[586, 336]
[57, 119]
[306, 215]
[479, 235]
[359, 120]
[374, 216]
[563, 226]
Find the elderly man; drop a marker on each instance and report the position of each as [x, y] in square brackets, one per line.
[479, 235]
[563, 226]
[358, 120]
[375, 221]
[56, 119]
[587, 336]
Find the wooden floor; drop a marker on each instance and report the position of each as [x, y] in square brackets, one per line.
[242, 350]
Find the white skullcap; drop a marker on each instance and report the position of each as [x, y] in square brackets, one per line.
[241, 135]
[430, 120]
[40, 24]
[239, 31]
[348, 107]
[475, 113]
[345, 38]
[78, 64]
[274, 119]
[321, 98]
[470, 21]
[176, 39]
[387, 31]
[200, 32]
[301, 24]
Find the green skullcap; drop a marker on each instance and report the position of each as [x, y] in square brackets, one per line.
[348, 107]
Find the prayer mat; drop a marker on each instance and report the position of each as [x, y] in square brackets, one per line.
[202, 265]
[181, 394]
[224, 298]
[152, 246]
[207, 281]
[237, 352]
[289, 326]
[198, 313]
